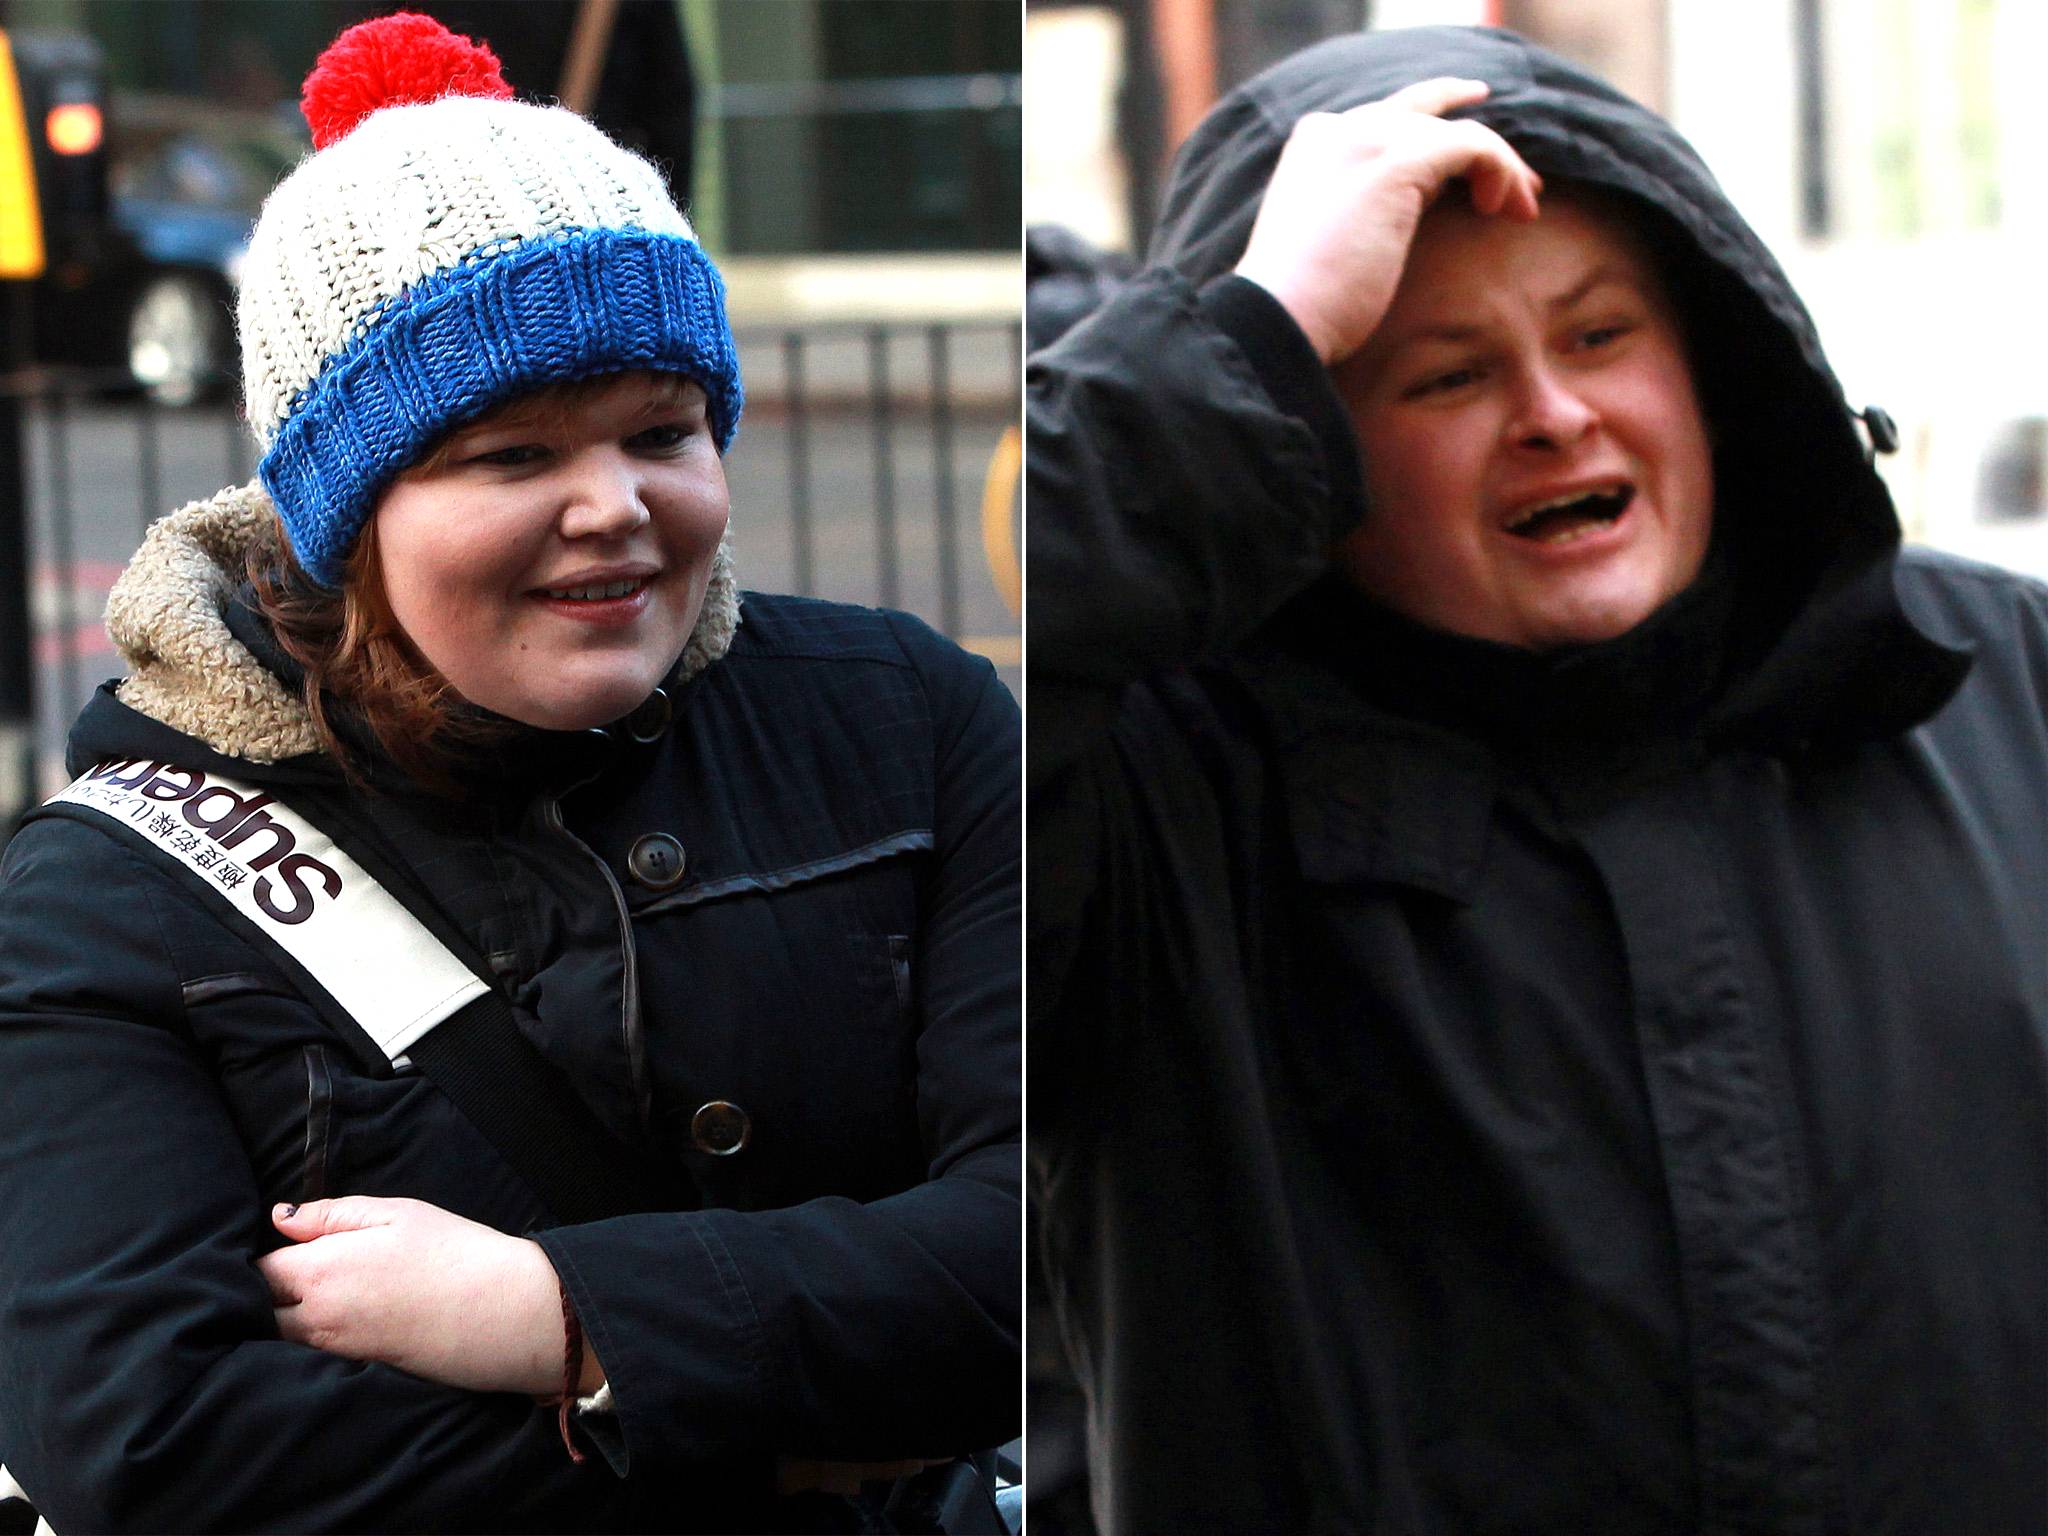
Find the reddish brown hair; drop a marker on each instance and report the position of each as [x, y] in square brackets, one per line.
[349, 643]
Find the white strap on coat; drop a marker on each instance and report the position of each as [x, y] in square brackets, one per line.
[289, 878]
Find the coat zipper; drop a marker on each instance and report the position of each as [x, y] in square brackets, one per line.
[629, 1011]
[319, 1123]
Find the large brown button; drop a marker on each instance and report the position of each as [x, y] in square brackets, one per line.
[656, 860]
[647, 722]
[720, 1128]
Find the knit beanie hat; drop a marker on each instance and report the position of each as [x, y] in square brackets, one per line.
[444, 249]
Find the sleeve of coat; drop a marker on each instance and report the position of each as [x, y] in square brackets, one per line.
[834, 1328]
[1189, 468]
[143, 1386]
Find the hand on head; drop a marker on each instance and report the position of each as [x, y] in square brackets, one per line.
[1334, 227]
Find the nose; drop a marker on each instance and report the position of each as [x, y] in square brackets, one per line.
[603, 496]
[1549, 411]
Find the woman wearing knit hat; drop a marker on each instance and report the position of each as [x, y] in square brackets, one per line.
[499, 1037]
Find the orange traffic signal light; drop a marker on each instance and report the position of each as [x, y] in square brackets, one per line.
[74, 128]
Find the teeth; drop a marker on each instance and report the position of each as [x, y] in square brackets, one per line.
[1605, 506]
[593, 594]
[1567, 533]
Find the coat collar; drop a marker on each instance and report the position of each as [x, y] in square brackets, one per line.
[1374, 795]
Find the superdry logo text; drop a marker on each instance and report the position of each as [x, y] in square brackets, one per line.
[279, 871]
[221, 831]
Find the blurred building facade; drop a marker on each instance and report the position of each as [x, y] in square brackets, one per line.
[849, 162]
[821, 126]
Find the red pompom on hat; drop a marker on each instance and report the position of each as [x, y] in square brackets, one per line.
[394, 61]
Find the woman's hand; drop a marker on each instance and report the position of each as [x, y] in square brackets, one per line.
[1337, 218]
[412, 1285]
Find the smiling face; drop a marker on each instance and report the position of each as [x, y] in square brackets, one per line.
[1537, 469]
[550, 562]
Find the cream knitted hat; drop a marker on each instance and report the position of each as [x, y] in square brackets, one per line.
[444, 249]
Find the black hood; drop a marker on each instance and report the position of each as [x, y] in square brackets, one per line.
[1810, 523]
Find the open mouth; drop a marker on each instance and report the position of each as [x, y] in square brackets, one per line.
[1572, 517]
[607, 592]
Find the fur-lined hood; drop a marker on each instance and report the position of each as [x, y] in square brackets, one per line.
[167, 616]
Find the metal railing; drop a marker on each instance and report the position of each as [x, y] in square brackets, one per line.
[862, 448]
[859, 373]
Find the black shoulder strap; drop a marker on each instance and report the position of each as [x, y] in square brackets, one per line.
[518, 1099]
[379, 971]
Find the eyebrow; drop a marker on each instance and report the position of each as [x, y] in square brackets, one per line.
[1455, 333]
[1600, 276]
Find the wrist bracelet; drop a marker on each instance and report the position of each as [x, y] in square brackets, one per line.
[572, 1370]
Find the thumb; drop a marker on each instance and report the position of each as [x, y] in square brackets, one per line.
[318, 1218]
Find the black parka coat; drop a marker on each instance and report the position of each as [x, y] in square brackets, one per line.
[839, 961]
[1625, 1114]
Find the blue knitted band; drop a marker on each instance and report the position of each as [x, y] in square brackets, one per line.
[468, 337]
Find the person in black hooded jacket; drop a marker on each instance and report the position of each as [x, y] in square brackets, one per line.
[1538, 932]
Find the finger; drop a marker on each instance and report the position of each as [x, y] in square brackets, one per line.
[1446, 93]
[349, 1213]
[1489, 186]
[278, 1274]
[1498, 176]
[294, 1325]
[1519, 194]
[1504, 186]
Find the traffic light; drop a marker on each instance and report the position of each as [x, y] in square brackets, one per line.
[53, 96]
